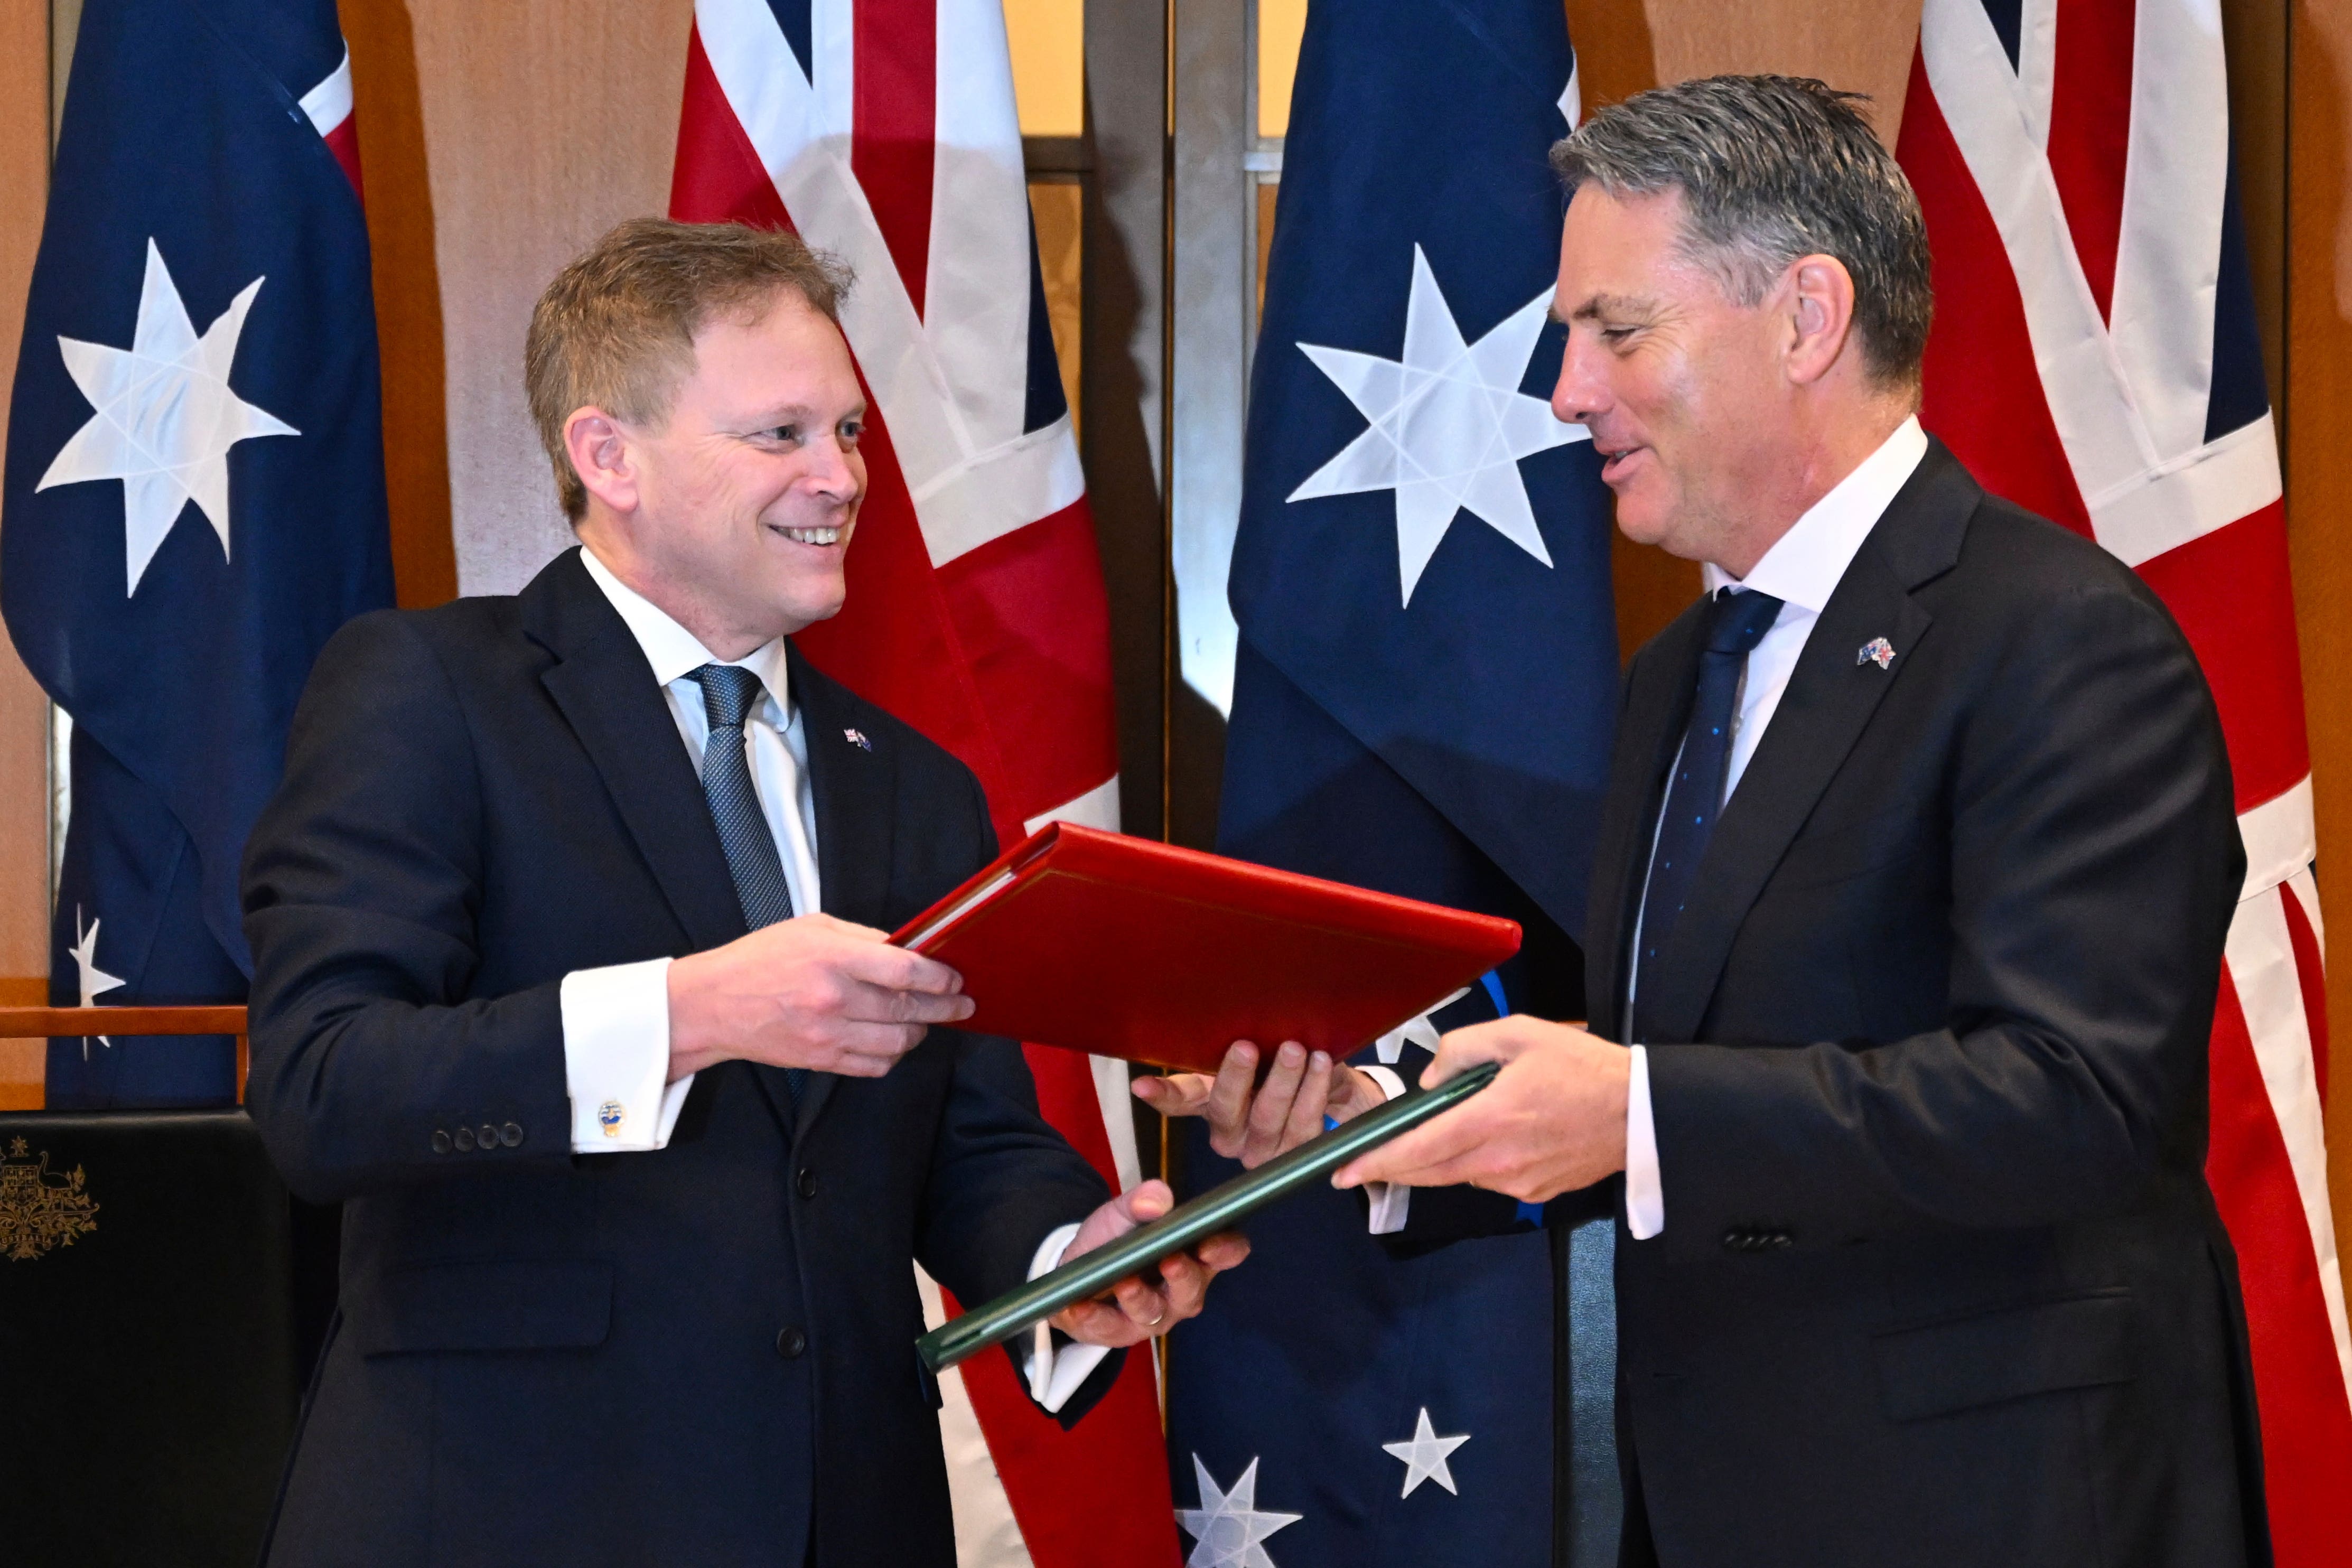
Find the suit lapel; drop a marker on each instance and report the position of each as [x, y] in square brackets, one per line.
[853, 788]
[1659, 692]
[1830, 699]
[605, 689]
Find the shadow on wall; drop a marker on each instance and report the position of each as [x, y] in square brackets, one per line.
[1123, 491]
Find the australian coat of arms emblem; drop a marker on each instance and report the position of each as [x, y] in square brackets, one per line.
[38, 1210]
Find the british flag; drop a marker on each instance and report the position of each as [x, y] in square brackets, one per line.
[885, 132]
[2095, 358]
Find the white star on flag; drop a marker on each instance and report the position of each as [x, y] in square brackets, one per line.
[1449, 425]
[1423, 1454]
[1416, 1030]
[1227, 1526]
[165, 416]
[94, 980]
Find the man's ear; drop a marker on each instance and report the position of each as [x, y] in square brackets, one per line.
[601, 457]
[1821, 301]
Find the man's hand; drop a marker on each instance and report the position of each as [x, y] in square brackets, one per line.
[810, 991]
[1552, 1122]
[1301, 1089]
[1135, 1309]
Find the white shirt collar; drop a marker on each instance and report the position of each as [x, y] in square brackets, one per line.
[674, 652]
[1804, 565]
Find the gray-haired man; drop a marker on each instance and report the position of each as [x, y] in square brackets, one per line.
[1902, 1062]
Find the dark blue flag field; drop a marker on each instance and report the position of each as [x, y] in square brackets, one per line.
[1422, 703]
[195, 494]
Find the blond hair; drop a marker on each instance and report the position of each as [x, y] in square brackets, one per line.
[615, 329]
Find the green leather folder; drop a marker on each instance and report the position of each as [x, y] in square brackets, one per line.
[1219, 1209]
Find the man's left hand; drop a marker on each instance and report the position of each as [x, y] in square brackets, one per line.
[1136, 1308]
[1552, 1122]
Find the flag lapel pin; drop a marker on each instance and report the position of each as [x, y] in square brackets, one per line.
[857, 739]
[1877, 651]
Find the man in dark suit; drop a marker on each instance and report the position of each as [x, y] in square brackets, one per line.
[1896, 1073]
[637, 1149]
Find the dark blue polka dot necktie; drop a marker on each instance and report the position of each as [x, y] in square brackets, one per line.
[1736, 622]
[728, 694]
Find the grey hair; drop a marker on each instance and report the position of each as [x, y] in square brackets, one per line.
[1771, 168]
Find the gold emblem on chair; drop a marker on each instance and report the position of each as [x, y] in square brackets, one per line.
[39, 1211]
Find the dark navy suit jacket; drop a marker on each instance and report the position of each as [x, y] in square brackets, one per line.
[699, 1355]
[1941, 1283]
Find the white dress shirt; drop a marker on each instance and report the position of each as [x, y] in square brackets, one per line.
[616, 1019]
[1802, 570]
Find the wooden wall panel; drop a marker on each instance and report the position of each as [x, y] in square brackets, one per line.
[509, 136]
[24, 711]
[2319, 483]
[387, 103]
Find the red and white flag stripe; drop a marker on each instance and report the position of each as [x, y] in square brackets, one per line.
[328, 107]
[2076, 184]
[885, 132]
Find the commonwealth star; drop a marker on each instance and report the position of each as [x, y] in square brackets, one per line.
[94, 980]
[1228, 1527]
[1449, 425]
[166, 418]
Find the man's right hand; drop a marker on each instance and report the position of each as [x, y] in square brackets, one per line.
[810, 991]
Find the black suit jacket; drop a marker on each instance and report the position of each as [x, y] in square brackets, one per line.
[699, 1355]
[1941, 1281]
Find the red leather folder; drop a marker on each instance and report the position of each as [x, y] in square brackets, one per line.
[1126, 947]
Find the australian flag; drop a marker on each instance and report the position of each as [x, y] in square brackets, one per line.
[194, 489]
[1422, 703]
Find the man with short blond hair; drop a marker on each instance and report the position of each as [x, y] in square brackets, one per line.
[615, 328]
[570, 984]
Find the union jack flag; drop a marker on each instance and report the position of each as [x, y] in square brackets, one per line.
[2072, 157]
[884, 131]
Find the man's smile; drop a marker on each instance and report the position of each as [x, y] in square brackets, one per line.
[821, 538]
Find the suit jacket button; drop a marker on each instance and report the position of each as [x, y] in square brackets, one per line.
[440, 1142]
[1783, 1238]
[488, 1137]
[512, 1135]
[1735, 1239]
[806, 1183]
[465, 1139]
[791, 1343]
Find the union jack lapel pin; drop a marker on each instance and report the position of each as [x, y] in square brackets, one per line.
[1877, 651]
[857, 739]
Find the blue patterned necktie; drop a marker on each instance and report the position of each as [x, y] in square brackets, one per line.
[729, 693]
[1736, 622]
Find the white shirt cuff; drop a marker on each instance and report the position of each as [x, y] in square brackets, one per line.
[1646, 1196]
[1054, 1375]
[1390, 1200]
[616, 1058]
